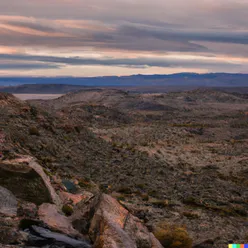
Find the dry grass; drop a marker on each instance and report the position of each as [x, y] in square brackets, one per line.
[171, 236]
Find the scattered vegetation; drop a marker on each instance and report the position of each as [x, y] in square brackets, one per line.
[172, 236]
[191, 215]
[67, 210]
[124, 190]
[158, 203]
[34, 131]
[145, 156]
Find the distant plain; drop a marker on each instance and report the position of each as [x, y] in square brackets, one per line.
[37, 96]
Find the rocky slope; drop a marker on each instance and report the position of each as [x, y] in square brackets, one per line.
[33, 214]
[177, 168]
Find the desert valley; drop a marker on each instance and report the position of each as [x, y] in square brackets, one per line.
[177, 161]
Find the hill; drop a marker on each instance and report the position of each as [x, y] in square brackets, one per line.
[41, 89]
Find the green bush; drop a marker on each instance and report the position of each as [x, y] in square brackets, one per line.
[191, 215]
[158, 202]
[171, 236]
[67, 210]
[33, 111]
[34, 131]
[125, 190]
[121, 198]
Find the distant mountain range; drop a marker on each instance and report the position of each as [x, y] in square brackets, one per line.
[193, 79]
[139, 83]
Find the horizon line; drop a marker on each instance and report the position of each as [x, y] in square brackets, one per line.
[131, 75]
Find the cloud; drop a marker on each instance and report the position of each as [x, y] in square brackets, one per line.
[31, 25]
[123, 36]
[158, 27]
[187, 35]
[140, 62]
[98, 36]
[26, 66]
[191, 13]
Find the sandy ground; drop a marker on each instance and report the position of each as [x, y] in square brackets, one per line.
[37, 96]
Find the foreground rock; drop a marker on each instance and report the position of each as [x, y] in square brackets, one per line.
[38, 221]
[39, 236]
[114, 227]
[49, 214]
[10, 233]
[74, 199]
[26, 180]
[8, 203]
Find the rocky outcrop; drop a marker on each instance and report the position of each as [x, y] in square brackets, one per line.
[49, 214]
[114, 227]
[36, 167]
[38, 217]
[83, 214]
[26, 180]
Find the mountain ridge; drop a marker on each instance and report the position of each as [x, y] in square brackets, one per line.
[210, 79]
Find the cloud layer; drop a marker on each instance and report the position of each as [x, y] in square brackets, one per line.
[55, 34]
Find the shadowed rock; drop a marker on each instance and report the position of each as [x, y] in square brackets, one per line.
[50, 215]
[114, 227]
[8, 203]
[39, 236]
[26, 180]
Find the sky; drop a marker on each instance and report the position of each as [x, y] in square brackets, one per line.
[122, 37]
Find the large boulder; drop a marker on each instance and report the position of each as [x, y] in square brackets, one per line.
[38, 235]
[25, 178]
[50, 215]
[114, 227]
[84, 212]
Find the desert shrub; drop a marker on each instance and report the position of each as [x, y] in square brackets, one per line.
[191, 215]
[153, 193]
[124, 190]
[67, 210]
[140, 185]
[47, 172]
[33, 111]
[145, 197]
[171, 236]
[34, 131]
[121, 198]
[78, 129]
[190, 201]
[105, 188]
[158, 202]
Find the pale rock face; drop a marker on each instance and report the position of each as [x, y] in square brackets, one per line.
[26, 179]
[74, 199]
[114, 227]
[55, 198]
[50, 215]
[8, 203]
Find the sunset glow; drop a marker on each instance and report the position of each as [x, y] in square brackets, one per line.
[93, 38]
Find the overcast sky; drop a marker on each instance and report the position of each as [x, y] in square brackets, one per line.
[122, 37]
